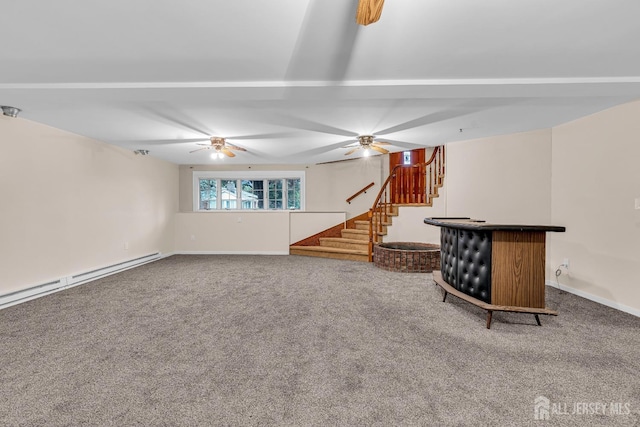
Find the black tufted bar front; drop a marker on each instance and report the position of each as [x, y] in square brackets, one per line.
[496, 267]
[465, 261]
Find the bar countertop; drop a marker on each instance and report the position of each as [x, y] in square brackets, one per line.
[463, 223]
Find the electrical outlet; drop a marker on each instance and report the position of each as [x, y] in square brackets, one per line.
[638, 203]
[126, 246]
[565, 263]
[193, 237]
[239, 219]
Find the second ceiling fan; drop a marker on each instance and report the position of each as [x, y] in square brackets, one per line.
[221, 147]
[367, 143]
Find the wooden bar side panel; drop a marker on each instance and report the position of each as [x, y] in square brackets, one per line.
[517, 268]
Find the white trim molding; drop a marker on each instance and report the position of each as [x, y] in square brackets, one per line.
[594, 298]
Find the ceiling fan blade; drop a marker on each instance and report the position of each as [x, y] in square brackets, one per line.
[306, 124]
[369, 11]
[234, 147]
[174, 116]
[200, 149]
[227, 152]
[463, 109]
[404, 144]
[382, 143]
[336, 161]
[206, 145]
[160, 141]
[351, 151]
[419, 121]
[379, 149]
[324, 149]
[274, 135]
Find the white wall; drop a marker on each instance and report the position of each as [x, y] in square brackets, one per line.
[248, 232]
[596, 181]
[504, 179]
[70, 204]
[233, 232]
[329, 185]
[409, 225]
[308, 223]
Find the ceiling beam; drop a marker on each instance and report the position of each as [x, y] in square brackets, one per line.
[369, 11]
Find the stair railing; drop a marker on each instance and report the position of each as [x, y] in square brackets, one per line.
[361, 191]
[406, 184]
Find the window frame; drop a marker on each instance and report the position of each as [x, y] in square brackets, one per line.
[247, 175]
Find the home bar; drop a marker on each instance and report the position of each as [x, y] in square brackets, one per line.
[497, 267]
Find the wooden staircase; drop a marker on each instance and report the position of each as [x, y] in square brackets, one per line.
[406, 185]
[353, 243]
[415, 185]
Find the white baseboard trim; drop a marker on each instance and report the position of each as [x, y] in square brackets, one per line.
[232, 252]
[57, 285]
[594, 298]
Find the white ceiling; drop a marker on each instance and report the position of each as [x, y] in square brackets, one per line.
[293, 81]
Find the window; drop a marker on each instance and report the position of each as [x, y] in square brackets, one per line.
[266, 190]
[208, 194]
[228, 194]
[275, 194]
[252, 194]
[293, 193]
[407, 157]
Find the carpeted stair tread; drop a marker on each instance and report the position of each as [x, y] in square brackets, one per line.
[341, 239]
[328, 249]
[330, 252]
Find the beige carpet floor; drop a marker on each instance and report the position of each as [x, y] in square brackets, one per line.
[288, 340]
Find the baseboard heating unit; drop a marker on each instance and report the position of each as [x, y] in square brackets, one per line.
[23, 295]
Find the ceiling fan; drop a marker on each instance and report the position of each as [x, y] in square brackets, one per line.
[367, 143]
[221, 147]
[369, 11]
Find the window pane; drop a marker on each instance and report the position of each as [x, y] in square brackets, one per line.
[293, 193]
[275, 194]
[252, 194]
[208, 194]
[228, 194]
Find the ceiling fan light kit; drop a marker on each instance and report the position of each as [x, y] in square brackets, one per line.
[221, 146]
